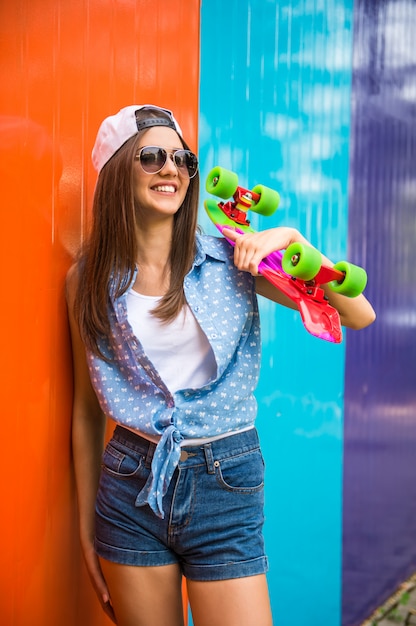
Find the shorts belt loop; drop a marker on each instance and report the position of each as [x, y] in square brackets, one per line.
[209, 458]
[150, 453]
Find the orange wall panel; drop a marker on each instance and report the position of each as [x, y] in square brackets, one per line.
[64, 67]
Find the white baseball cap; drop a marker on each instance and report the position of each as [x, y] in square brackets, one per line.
[117, 129]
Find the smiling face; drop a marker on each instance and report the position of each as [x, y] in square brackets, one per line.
[159, 196]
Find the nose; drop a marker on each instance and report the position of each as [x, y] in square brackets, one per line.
[170, 167]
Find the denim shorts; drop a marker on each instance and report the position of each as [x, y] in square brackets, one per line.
[213, 508]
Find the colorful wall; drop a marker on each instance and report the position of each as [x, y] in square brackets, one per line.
[64, 67]
[379, 489]
[318, 99]
[314, 98]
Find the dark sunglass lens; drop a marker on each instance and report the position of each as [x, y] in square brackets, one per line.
[186, 161]
[181, 160]
[192, 164]
[152, 159]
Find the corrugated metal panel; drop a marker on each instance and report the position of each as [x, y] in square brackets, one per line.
[65, 66]
[275, 104]
[380, 399]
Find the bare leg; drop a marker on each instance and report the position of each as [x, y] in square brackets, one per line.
[145, 596]
[236, 602]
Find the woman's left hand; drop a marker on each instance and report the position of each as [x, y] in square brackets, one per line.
[251, 248]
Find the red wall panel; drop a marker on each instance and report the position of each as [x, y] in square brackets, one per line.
[64, 67]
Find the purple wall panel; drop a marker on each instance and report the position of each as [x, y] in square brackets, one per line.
[379, 543]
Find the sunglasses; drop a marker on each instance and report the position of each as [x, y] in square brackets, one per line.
[153, 159]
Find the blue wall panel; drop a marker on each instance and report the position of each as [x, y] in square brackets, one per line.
[275, 108]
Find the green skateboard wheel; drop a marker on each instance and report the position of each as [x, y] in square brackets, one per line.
[221, 182]
[301, 261]
[269, 200]
[354, 282]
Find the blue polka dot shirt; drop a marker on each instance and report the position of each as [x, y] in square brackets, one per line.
[131, 392]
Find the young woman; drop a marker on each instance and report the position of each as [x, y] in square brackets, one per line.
[165, 335]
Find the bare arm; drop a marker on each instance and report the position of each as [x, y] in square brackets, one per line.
[88, 431]
[251, 248]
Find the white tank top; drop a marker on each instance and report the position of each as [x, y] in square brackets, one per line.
[179, 350]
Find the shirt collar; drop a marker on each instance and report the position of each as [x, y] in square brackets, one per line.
[210, 246]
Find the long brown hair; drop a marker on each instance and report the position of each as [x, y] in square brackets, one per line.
[108, 258]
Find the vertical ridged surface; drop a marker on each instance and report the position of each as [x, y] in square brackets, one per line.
[275, 105]
[379, 549]
[64, 67]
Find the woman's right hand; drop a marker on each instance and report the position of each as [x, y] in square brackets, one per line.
[98, 581]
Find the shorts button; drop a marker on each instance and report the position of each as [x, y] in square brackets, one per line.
[184, 455]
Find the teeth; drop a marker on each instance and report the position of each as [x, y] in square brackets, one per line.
[165, 188]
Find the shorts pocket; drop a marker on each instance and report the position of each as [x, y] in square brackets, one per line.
[243, 473]
[122, 463]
